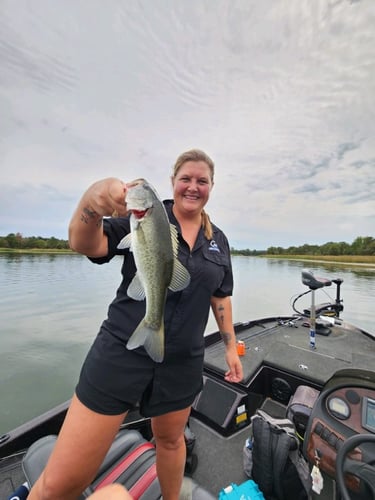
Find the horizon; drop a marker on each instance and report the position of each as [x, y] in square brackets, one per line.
[17, 234]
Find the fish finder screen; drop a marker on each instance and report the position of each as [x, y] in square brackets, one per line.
[369, 414]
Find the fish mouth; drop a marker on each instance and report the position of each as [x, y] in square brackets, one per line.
[139, 214]
[135, 183]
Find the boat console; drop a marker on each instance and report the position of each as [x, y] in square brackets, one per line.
[345, 409]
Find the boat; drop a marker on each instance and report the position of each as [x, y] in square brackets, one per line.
[309, 367]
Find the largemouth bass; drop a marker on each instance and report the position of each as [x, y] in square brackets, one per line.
[153, 241]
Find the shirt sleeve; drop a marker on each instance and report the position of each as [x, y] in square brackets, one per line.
[226, 287]
[115, 229]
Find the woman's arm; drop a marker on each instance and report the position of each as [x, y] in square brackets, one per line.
[103, 198]
[222, 309]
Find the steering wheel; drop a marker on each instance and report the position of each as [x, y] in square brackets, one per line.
[362, 470]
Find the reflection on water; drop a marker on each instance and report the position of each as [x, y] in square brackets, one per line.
[52, 306]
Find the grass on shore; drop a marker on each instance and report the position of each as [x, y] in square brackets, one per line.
[344, 259]
[36, 250]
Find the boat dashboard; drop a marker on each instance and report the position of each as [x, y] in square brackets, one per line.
[345, 408]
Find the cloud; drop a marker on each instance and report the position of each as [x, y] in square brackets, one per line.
[280, 97]
[35, 211]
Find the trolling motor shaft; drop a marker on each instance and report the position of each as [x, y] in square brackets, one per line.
[313, 283]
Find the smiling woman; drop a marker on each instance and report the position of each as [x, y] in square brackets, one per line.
[153, 338]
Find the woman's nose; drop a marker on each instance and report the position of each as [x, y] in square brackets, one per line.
[193, 185]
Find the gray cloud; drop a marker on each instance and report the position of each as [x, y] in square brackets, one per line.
[280, 97]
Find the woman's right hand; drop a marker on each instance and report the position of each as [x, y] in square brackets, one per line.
[106, 197]
[103, 198]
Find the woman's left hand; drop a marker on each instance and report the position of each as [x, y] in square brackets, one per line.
[235, 372]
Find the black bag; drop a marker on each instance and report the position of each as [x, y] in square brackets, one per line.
[277, 467]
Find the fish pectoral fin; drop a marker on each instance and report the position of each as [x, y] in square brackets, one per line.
[135, 289]
[152, 340]
[180, 277]
[174, 239]
[126, 242]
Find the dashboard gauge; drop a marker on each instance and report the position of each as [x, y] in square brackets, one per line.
[338, 408]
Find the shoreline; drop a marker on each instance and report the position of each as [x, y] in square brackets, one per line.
[355, 260]
[349, 260]
[44, 251]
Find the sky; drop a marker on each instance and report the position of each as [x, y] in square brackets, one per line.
[280, 93]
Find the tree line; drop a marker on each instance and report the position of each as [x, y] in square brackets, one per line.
[362, 245]
[19, 242]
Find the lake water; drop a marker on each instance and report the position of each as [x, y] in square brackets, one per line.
[51, 307]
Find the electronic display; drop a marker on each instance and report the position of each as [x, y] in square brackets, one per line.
[368, 414]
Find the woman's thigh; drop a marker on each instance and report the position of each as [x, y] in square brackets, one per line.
[81, 446]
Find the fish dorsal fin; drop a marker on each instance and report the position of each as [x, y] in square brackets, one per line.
[126, 242]
[180, 276]
[135, 289]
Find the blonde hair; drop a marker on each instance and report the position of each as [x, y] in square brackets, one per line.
[198, 155]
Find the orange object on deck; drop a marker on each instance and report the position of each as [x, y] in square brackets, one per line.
[241, 348]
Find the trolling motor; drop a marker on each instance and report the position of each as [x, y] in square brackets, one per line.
[314, 283]
[331, 309]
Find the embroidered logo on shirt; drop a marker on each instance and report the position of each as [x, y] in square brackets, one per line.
[213, 246]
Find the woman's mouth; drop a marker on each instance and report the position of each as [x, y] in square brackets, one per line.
[191, 197]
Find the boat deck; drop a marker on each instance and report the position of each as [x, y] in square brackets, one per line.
[284, 344]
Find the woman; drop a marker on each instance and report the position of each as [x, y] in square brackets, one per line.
[113, 379]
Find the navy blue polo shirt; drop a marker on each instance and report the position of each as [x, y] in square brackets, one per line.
[186, 312]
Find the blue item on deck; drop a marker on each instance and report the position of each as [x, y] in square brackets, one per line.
[249, 490]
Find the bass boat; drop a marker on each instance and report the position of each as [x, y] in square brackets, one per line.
[301, 424]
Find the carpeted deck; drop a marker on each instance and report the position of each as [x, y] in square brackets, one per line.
[220, 459]
[11, 476]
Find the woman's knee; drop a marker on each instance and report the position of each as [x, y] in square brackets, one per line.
[49, 487]
[171, 441]
[170, 426]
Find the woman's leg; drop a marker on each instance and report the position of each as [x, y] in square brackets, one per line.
[168, 431]
[81, 446]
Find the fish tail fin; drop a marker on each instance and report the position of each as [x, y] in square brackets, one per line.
[152, 340]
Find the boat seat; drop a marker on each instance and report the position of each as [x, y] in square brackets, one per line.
[312, 281]
[130, 461]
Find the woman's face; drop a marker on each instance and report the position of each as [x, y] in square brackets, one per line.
[191, 187]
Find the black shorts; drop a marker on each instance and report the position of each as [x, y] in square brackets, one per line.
[114, 379]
